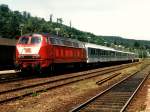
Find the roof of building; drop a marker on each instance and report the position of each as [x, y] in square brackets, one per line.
[7, 42]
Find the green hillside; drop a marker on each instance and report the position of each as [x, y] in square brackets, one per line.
[127, 42]
[12, 22]
[141, 47]
[15, 23]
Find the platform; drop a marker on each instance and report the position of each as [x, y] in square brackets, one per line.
[7, 71]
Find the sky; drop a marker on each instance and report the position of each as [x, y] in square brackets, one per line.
[125, 18]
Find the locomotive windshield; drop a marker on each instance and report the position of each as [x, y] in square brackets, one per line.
[30, 40]
[23, 40]
[35, 40]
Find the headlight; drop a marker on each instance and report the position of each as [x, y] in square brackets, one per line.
[20, 56]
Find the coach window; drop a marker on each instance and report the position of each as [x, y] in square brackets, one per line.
[105, 53]
[102, 52]
[117, 54]
[109, 53]
[88, 51]
[99, 52]
[112, 54]
[92, 52]
[96, 52]
[124, 54]
[121, 54]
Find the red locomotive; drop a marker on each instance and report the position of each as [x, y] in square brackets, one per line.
[39, 51]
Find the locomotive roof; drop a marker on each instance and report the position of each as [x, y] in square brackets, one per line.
[51, 35]
[65, 38]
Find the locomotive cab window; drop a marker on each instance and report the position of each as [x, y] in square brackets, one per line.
[23, 40]
[29, 40]
[35, 40]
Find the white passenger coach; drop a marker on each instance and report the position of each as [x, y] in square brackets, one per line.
[97, 53]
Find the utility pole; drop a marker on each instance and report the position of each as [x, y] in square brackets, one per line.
[88, 39]
[21, 28]
[70, 24]
[59, 20]
[51, 18]
[57, 30]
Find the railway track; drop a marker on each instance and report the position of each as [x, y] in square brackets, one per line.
[22, 91]
[11, 77]
[117, 97]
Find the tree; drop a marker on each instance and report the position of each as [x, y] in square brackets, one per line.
[59, 20]
[136, 44]
[5, 18]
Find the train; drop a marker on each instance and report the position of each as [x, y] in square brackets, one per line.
[39, 52]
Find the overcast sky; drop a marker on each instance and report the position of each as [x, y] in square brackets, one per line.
[126, 18]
